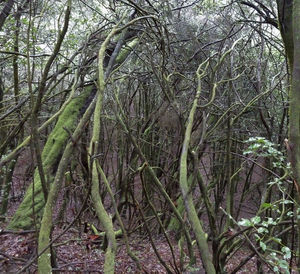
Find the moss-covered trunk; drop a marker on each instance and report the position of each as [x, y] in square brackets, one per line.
[44, 261]
[102, 214]
[201, 240]
[51, 155]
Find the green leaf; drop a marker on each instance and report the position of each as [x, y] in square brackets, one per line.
[284, 265]
[271, 221]
[256, 220]
[263, 246]
[287, 252]
[262, 230]
[278, 240]
[245, 222]
[266, 205]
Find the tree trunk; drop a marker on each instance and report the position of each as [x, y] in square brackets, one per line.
[294, 126]
[186, 195]
[51, 155]
[289, 19]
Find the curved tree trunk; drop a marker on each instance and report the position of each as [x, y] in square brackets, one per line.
[200, 236]
[51, 155]
[44, 262]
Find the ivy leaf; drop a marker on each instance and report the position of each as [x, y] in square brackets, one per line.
[263, 246]
[271, 221]
[284, 265]
[245, 222]
[262, 230]
[287, 252]
[255, 220]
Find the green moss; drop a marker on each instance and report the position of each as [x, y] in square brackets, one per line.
[23, 218]
[126, 51]
[174, 224]
[67, 119]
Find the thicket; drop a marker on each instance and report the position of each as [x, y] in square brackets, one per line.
[153, 116]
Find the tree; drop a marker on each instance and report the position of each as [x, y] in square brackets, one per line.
[289, 15]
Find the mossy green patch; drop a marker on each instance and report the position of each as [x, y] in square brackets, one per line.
[53, 149]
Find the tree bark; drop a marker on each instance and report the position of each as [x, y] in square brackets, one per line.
[289, 18]
[294, 126]
[44, 261]
[200, 235]
[51, 155]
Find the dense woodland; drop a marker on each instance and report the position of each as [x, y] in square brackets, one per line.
[135, 130]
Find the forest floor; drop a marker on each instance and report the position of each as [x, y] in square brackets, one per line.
[79, 251]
